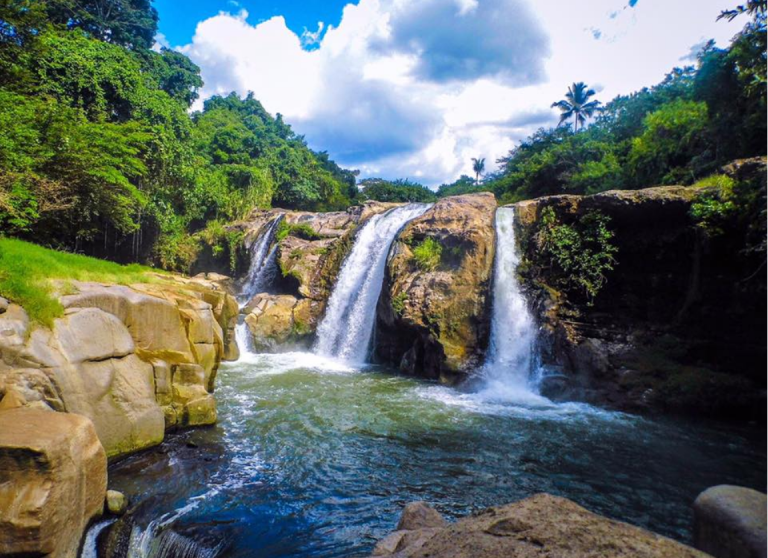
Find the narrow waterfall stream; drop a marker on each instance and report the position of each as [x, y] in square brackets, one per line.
[510, 372]
[260, 273]
[345, 332]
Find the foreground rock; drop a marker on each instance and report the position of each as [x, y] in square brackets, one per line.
[539, 526]
[308, 257]
[135, 360]
[53, 478]
[730, 522]
[434, 321]
[677, 326]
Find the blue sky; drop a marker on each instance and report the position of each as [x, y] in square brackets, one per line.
[416, 88]
[178, 18]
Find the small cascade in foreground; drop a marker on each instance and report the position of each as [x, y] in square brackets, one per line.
[510, 368]
[260, 273]
[345, 332]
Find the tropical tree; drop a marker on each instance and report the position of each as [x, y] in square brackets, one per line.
[478, 165]
[577, 105]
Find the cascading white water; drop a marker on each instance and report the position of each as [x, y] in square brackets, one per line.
[260, 269]
[346, 329]
[509, 370]
[260, 272]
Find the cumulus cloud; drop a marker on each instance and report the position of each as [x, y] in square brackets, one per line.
[416, 88]
[467, 40]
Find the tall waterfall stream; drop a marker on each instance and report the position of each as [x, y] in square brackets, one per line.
[316, 453]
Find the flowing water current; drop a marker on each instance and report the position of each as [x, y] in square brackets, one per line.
[315, 454]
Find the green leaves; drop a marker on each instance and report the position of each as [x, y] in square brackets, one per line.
[581, 253]
[428, 254]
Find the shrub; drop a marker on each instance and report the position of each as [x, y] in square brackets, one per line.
[398, 303]
[582, 252]
[428, 254]
[300, 230]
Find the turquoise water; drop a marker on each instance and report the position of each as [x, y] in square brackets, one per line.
[311, 458]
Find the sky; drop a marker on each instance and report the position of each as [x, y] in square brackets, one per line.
[417, 88]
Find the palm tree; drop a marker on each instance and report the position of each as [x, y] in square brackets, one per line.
[478, 165]
[577, 105]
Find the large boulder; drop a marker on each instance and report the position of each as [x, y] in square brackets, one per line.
[53, 479]
[730, 522]
[279, 322]
[135, 360]
[675, 327]
[538, 526]
[434, 321]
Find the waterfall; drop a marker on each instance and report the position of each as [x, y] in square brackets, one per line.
[89, 546]
[345, 331]
[260, 273]
[510, 367]
[260, 270]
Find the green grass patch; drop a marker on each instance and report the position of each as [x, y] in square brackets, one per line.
[27, 271]
[428, 254]
[300, 230]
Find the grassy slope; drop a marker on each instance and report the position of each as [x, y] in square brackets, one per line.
[27, 271]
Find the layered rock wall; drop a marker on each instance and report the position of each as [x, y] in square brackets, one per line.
[434, 321]
[680, 323]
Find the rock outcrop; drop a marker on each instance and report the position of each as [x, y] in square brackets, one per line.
[675, 328]
[433, 321]
[53, 478]
[135, 360]
[538, 526]
[309, 253]
[730, 522]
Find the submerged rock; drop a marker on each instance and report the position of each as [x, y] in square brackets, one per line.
[538, 526]
[53, 478]
[730, 522]
[433, 316]
[116, 502]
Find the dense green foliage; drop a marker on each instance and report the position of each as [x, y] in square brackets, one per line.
[398, 191]
[427, 254]
[580, 254]
[99, 154]
[28, 272]
[677, 132]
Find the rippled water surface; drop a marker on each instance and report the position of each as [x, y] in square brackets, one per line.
[311, 458]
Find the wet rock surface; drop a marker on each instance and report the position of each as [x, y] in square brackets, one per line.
[539, 526]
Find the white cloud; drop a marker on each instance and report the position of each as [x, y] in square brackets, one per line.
[415, 88]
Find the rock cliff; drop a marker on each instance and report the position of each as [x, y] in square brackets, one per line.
[676, 327]
[433, 316]
[310, 250]
[135, 360]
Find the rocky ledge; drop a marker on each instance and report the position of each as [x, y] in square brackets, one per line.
[539, 526]
[121, 367]
[309, 251]
[677, 326]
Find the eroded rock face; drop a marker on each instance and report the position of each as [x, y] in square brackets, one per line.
[538, 526]
[308, 265]
[135, 360]
[675, 328]
[53, 479]
[435, 322]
